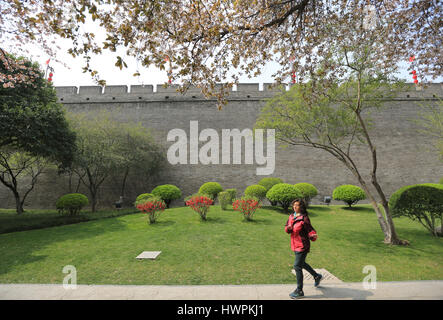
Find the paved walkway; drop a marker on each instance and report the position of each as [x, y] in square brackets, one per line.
[348, 291]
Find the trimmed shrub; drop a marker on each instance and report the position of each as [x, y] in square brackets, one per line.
[233, 194]
[200, 204]
[211, 188]
[422, 202]
[307, 190]
[247, 205]
[284, 194]
[257, 191]
[142, 197]
[225, 200]
[167, 192]
[152, 206]
[187, 198]
[197, 194]
[268, 183]
[71, 203]
[349, 194]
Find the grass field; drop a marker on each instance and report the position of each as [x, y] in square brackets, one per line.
[223, 250]
[37, 218]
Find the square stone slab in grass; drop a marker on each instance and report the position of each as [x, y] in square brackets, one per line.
[327, 276]
[148, 255]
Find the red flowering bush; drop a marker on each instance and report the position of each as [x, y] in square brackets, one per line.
[200, 204]
[247, 206]
[152, 207]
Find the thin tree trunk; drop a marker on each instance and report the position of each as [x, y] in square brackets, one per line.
[78, 186]
[390, 234]
[380, 218]
[93, 201]
[70, 182]
[441, 225]
[18, 203]
[92, 191]
[122, 192]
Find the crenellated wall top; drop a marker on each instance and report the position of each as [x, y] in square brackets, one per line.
[73, 94]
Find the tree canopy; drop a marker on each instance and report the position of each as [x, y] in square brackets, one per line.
[335, 119]
[31, 119]
[199, 42]
[108, 148]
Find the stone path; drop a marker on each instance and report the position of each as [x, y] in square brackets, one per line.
[432, 289]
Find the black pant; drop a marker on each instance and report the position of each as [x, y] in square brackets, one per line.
[299, 265]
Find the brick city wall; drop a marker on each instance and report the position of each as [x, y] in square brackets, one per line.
[403, 153]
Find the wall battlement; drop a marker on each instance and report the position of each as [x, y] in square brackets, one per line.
[252, 91]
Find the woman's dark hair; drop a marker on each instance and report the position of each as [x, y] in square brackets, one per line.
[302, 206]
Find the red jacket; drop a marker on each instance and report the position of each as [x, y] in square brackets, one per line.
[301, 230]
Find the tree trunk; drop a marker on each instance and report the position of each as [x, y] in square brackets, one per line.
[93, 203]
[437, 232]
[18, 203]
[380, 217]
[388, 224]
[391, 237]
[122, 193]
[70, 182]
[93, 193]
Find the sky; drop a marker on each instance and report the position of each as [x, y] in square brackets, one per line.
[72, 74]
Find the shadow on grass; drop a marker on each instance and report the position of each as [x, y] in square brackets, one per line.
[35, 219]
[282, 212]
[279, 210]
[19, 247]
[354, 208]
[319, 208]
[161, 223]
[371, 242]
[215, 220]
[257, 221]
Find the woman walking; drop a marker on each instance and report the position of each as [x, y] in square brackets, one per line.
[301, 231]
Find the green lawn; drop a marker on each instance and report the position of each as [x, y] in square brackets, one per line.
[223, 250]
[37, 218]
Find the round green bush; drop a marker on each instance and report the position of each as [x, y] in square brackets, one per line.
[422, 202]
[307, 190]
[349, 194]
[142, 197]
[233, 194]
[71, 203]
[257, 191]
[284, 194]
[268, 183]
[225, 199]
[167, 192]
[211, 188]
